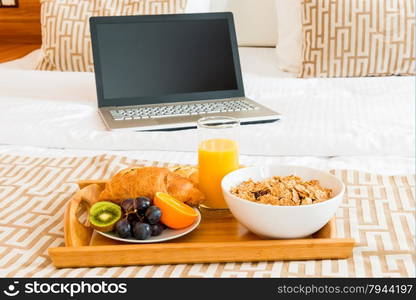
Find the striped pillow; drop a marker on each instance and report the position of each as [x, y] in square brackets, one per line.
[66, 41]
[347, 38]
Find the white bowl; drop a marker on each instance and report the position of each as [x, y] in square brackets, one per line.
[273, 221]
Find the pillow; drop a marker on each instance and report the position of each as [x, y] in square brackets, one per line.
[347, 38]
[255, 23]
[289, 35]
[66, 41]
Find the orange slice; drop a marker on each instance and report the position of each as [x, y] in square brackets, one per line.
[175, 214]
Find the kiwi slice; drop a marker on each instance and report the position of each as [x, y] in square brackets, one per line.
[104, 215]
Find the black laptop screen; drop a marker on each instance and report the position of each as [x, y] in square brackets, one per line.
[158, 61]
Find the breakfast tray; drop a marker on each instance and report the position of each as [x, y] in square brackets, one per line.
[219, 238]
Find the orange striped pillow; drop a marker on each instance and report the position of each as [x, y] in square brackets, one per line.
[66, 41]
[347, 38]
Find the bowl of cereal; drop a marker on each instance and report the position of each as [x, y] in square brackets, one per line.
[282, 201]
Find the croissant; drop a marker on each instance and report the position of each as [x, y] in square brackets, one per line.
[188, 172]
[147, 181]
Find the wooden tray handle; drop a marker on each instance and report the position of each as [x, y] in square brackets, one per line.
[83, 183]
[76, 233]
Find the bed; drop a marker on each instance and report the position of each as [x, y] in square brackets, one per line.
[325, 118]
[361, 128]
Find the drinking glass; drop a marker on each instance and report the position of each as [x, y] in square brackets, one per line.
[217, 156]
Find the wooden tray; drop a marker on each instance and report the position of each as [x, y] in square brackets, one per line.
[219, 238]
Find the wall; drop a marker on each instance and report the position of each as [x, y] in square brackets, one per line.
[21, 25]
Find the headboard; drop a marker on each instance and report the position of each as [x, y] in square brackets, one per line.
[21, 25]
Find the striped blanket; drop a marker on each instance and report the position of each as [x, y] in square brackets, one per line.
[377, 211]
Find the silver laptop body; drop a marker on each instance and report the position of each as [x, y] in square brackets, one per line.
[165, 72]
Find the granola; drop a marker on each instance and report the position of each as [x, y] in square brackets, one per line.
[285, 191]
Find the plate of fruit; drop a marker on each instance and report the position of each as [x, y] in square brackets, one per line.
[144, 220]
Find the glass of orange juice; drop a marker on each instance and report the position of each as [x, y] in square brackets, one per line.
[217, 156]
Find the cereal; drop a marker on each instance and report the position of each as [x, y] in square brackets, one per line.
[285, 191]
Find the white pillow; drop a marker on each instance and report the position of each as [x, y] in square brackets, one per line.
[256, 23]
[197, 6]
[289, 35]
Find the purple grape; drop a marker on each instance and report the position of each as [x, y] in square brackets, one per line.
[142, 231]
[153, 214]
[133, 217]
[123, 228]
[157, 228]
[142, 204]
[128, 205]
[132, 224]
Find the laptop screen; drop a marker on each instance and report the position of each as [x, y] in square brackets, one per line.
[156, 59]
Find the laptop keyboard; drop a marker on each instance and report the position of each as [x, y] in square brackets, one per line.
[181, 110]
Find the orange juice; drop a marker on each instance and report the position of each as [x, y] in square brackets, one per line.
[216, 158]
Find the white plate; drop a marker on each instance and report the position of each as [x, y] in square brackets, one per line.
[166, 235]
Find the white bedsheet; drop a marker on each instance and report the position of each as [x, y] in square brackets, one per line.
[388, 165]
[321, 117]
[27, 62]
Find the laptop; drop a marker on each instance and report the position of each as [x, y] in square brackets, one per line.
[164, 72]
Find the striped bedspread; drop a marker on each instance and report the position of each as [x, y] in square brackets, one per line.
[378, 211]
